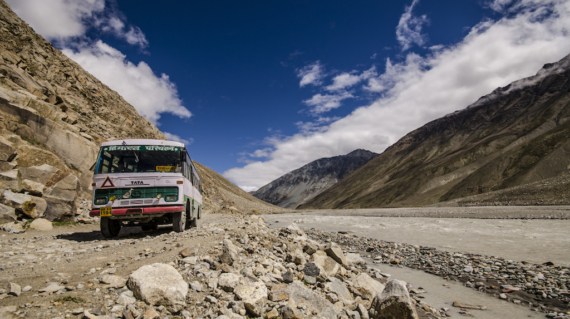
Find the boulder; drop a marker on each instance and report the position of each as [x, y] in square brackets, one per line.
[159, 284]
[13, 228]
[64, 190]
[7, 152]
[41, 224]
[33, 179]
[228, 281]
[311, 269]
[14, 199]
[335, 252]
[59, 210]
[305, 296]
[7, 214]
[230, 252]
[393, 302]
[337, 286]
[367, 286]
[328, 264]
[253, 293]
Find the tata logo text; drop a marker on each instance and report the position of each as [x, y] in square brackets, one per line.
[138, 183]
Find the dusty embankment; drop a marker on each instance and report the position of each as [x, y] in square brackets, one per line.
[232, 266]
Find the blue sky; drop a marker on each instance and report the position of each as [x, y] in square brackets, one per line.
[260, 88]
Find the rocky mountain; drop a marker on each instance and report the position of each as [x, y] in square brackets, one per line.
[53, 117]
[301, 185]
[517, 135]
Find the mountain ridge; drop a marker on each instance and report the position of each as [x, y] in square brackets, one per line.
[516, 135]
[302, 184]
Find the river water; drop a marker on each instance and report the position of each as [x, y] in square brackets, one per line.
[534, 241]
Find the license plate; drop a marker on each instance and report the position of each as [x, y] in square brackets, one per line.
[105, 211]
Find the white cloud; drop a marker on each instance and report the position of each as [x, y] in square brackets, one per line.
[421, 89]
[176, 138]
[249, 188]
[150, 94]
[58, 19]
[409, 29]
[324, 103]
[64, 20]
[346, 80]
[311, 74]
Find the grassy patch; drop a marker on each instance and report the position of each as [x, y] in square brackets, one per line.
[66, 223]
[70, 299]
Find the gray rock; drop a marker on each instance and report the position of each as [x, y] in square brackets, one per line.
[34, 178]
[15, 289]
[394, 302]
[253, 293]
[354, 259]
[288, 277]
[196, 286]
[279, 292]
[310, 280]
[362, 311]
[230, 252]
[7, 214]
[113, 281]
[65, 190]
[367, 286]
[301, 294]
[159, 284]
[289, 312]
[311, 269]
[126, 299]
[52, 287]
[335, 252]
[7, 152]
[228, 281]
[41, 224]
[337, 286]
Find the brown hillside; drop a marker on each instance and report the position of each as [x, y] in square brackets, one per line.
[512, 137]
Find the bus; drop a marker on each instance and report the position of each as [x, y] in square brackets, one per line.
[142, 182]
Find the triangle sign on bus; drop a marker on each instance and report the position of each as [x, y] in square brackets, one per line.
[107, 183]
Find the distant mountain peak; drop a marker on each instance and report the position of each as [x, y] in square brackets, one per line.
[302, 184]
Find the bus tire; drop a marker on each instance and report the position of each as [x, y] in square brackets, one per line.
[110, 227]
[179, 221]
[194, 222]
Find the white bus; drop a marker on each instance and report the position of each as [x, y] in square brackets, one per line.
[145, 183]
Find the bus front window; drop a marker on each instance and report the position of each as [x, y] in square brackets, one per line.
[138, 159]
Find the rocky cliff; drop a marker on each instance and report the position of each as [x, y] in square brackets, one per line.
[301, 185]
[53, 117]
[517, 135]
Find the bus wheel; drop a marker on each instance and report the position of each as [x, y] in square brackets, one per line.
[110, 227]
[179, 221]
[194, 222]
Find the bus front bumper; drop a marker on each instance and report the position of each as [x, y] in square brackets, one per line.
[140, 211]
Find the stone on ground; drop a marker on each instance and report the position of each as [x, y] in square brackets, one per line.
[113, 281]
[230, 252]
[253, 293]
[303, 295]
[159, 284]
[334, 251]
[394, 302]
[367, 286]
[41, 224]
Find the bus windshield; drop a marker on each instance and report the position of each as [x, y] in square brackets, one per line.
[138, 159]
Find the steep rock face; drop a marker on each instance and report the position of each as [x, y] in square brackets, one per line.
[300, 185]
[54, 113]
[517, 135]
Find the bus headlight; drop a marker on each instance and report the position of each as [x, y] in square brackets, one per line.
[101, 201]
[171, 198]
